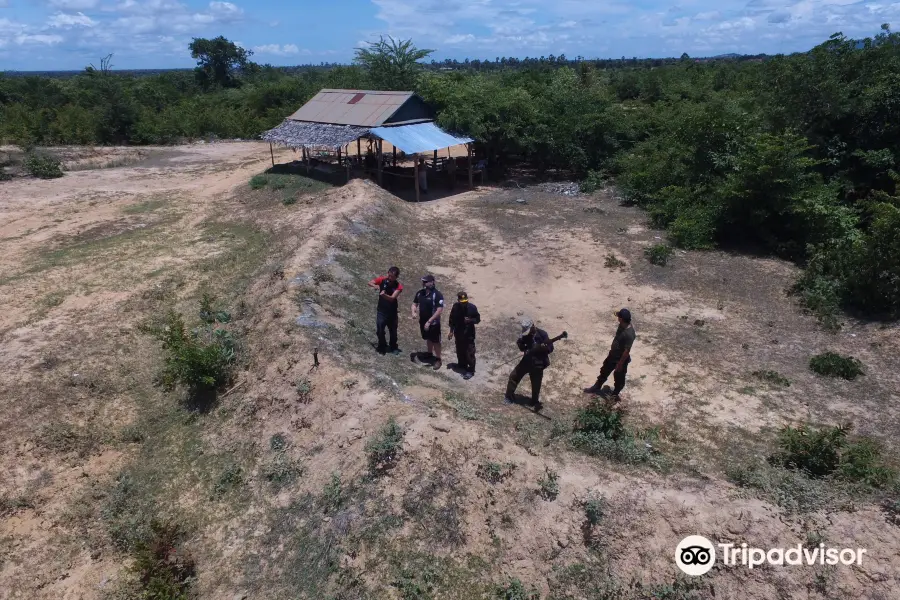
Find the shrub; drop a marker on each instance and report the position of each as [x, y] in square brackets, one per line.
[43, 166]
[232, 477]
[594, 507]
[495, 472]
[613, 262]
[289, 199]
[516, 590]
[549, 485]
[658, 254]
[384, 449]
[600, 430]
[164, 568]
[278, 443]
[304, 390]
[201, 359]
[592, 182]
[333, 495]
[829, 452]
[257, 182]
[832, 364]
[772, 377]
[282, 471]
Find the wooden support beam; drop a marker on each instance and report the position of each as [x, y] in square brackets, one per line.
[471, 179]
[358, 150]
[416, 175]
[272, 152]
[379, 161]
[435, 160]
[394, 152]
[340, 162]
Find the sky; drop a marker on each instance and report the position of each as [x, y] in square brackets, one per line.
[70, 34]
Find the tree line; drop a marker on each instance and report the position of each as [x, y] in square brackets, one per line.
[794, 156]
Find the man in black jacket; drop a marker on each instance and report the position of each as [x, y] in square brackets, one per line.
[389, 289]
[537, 347]
[463, 318]
[427, 307]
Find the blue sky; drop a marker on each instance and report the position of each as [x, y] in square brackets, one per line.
[69, 34]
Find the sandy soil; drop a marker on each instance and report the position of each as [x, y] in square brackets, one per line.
[87, 258]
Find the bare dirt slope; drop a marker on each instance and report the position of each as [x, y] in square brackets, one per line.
[272, 485]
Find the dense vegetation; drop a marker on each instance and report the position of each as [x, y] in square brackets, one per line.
[795, 156]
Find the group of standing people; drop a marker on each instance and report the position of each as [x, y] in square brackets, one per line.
[534, 343]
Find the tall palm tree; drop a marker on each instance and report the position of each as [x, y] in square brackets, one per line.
[392, 65]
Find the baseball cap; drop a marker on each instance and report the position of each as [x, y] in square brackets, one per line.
[526, 324]
[625, 314]
[462, 297]
[427, 278]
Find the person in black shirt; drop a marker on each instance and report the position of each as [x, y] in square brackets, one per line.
[428, 305]
[389, 290]
[537, 347]
[463, 318]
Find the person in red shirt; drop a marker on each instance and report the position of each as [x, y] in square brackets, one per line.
[389, 289]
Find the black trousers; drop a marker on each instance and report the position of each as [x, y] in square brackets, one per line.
[609, 366]
[389, 321]
[465, 354]
[535, 373]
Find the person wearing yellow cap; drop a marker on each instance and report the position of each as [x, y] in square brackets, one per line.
[463, 318]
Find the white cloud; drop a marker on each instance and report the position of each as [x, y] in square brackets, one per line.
[277, 50]
[74, 4]
[38, 38]
[67, 21]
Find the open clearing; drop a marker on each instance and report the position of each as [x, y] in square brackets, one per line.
[270, 485]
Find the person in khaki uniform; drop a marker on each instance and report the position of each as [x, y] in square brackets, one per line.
[616, 362]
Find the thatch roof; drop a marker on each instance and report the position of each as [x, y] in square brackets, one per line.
[300, 134]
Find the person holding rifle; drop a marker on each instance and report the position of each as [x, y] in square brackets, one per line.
[537, 348]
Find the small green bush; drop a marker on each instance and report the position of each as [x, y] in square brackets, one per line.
[594, 507]
[493, 472]
[829, 452]
[384, 449]
[231, 477]
[278, 443]
[289, 199]
[592, 182]
[613, 262]
[201, 359]
[831, 364]
[549, 485]
[600, 431]
[516, 590]
[658, 254]
[333, 496]
[43, 166]
[257, 182]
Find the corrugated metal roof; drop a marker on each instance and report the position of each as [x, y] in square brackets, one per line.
[368, 109]
[419, 137]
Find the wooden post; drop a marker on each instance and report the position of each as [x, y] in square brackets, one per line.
[306, 158]
[416, 174]
[358, 151]
[272, 152]
[471, 180]
[434, 165]
[379, 161]
[395, 156]
[340, 162]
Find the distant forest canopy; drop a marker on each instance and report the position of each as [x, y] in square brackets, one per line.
[795, 156]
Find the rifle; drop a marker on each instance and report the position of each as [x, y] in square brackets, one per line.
[561, 336]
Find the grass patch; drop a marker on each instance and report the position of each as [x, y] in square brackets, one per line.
[385, 448]
[516, 590]
[659, 254]
[291, 185]
[831, 364]
[164, 568]
[772, 377]
[494, 472]
[147, 206]
[593, 580]
[64, 438]
[600, 430]
[231, 478]
[462, 408]
[548, 485]
[436, 498]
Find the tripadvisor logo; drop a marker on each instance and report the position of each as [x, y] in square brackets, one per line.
[696, 555]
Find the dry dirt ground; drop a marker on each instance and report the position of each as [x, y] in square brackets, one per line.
[270, 484]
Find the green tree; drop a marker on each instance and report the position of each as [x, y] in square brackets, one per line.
[392, 65]
[218, 60]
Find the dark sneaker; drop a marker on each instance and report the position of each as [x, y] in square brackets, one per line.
[508, 400]
[613, 397]
[381, 351]
[396, 352]
[437, 364]
[452, 365]
[468, 376]
[537, 406]
[412, 356]
[594, 389]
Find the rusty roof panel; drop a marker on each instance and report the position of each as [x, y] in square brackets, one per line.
[334, 106]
